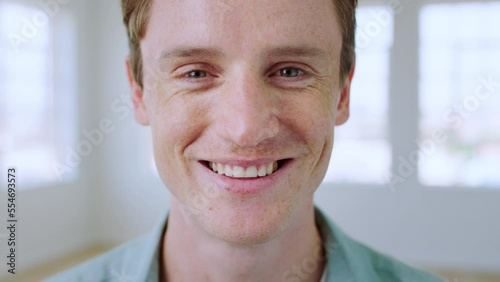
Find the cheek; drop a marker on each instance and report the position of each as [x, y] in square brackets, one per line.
[310, 115]
[312, 112]
[176, 123]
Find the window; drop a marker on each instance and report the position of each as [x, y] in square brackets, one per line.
[362, 143]
[37, 113]
[460, 93]
[441, 64]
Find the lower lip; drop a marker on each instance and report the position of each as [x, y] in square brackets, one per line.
[246, 186]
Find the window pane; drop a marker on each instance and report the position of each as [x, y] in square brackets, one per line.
[459, 87]
[29, 114]
[361, 152]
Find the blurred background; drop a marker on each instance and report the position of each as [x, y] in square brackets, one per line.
[415, 172]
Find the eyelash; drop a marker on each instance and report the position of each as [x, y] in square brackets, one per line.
[201, 70]
[196, 71]
[205, 80]
[301, 74]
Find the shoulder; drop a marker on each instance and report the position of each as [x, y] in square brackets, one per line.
[386, 268]
[136, 260]
[110, 266]
[350, 260]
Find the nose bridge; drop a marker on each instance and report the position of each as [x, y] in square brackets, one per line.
[249, 114]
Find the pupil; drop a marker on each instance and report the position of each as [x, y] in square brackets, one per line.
[197, 74]
[289, 72]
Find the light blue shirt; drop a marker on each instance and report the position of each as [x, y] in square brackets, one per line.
[347, 261]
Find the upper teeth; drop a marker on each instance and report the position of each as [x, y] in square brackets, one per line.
[241, 172]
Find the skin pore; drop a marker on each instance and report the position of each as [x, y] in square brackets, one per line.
[241, 83]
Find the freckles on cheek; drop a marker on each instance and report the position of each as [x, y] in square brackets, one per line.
[310, 125]
[318, 119]
[163, 129]
[180, 121]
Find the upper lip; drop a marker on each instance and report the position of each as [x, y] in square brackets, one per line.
[245, 163]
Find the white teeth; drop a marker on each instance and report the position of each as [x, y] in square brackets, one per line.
[269, 168]
[238, 172]
[241, 172]
[220, 168]
[228, 171]
[251, 171]
[262, 171]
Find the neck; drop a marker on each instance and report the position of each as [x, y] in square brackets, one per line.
[191, 254]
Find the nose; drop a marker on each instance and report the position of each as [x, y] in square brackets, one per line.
[247, 112]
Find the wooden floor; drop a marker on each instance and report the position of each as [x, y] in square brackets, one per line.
[39, 273]
[460, 276]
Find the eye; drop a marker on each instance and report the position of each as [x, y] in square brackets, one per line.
[197, 74]
[290, 72]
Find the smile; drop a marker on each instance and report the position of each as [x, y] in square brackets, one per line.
[247, 177]
[252, 171]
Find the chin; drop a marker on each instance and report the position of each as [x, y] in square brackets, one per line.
[244, 228]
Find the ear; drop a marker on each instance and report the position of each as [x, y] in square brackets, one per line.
[344, 99]
[140, 109]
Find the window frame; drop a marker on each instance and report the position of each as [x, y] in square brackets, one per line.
[403, 93]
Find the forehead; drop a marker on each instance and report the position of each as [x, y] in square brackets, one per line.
[241, 27]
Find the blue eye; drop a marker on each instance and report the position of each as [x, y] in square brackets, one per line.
[290, 72]
[197, 74]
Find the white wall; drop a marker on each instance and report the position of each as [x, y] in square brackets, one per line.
[132, 200]
[438, 228]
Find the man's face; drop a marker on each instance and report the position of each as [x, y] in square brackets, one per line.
[249, 89]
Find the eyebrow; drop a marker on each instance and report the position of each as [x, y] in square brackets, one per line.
[284, 51]
[188, 52]
[296, 51]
